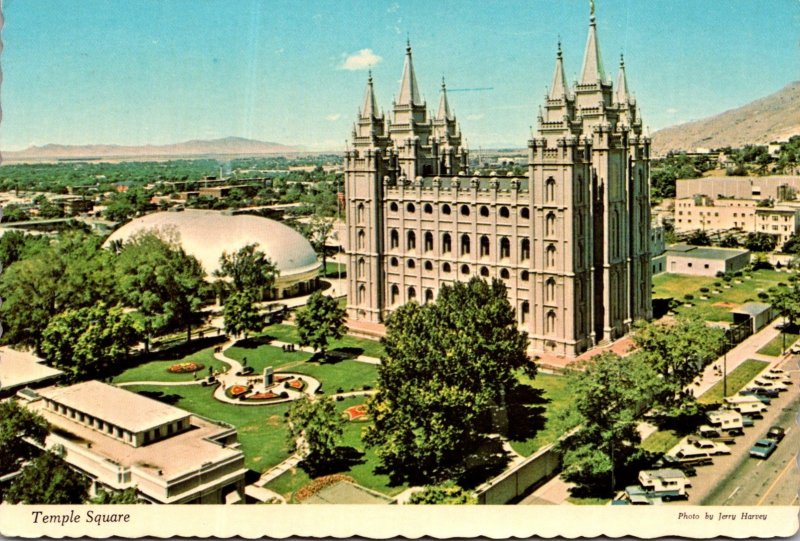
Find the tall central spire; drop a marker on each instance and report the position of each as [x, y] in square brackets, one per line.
[409, 95]
[592, 62]
[622, 82]
[558, 89]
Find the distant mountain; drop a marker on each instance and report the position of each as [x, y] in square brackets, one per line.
[775, 117]
[227, 146]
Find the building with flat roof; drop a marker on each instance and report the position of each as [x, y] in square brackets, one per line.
[705, 261]
[777, 187]
[19, 369]
[121, 439]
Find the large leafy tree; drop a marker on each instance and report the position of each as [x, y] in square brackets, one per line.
[678, 351]
[608, 393]
[444, 494]
[317, 234]
[72, 272]
[248, 270]
[161, 281]
[241, 314]
[88, 342]
[786, 300]
[446, 363]
[760, 242]
[18, 427]
[317, 426]
[48, 480]
[321, 320]
[117, 497]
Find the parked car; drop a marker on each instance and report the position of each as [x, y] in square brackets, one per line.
[764, 395]
[715, 434]
[726, 422]
[666, 484]
[763, 448]
[767, 384]
[693, 447]
[776, 433]
[780, 371]
[686, 466]
[781, 378]
[636, 495]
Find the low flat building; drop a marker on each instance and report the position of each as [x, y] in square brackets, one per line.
[19, 369]
[121, 439]
[777, 187]
[705, 261]
[757, 314]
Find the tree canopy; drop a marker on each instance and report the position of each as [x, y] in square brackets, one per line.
[760, 242]
[319, 321]
[18, 424]
[162, 282]
[446, 364]
[241, 314]
[608, 394]
[88, 343]
[318, 425]
[249, 270]
[47, 480]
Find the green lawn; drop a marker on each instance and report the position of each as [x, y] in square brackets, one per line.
[575, 500]
[265, 355]
[362, 470]
[736, 380]
[661, 441]
[557, 396]
[346, 375]
[717, 306]
[775, 346]
[262, 429]
[157, 370]
[288, 333]
[334, 270]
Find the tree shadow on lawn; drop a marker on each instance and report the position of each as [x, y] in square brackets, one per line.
[346, 458]
[525, 406]
[254, 342]
[170, 399]
[489, 460]
[336, 355]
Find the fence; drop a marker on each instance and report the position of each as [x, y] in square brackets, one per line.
[515, 482]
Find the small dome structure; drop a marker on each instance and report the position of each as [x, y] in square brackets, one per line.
[206, 234]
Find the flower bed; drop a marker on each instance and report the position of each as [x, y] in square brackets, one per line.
[356, 412]
[235, 391]
[185, 368]
[318, 484]
[269, 395]
[281, 379]
[296, 384]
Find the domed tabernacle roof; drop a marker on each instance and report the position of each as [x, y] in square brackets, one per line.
[206, 234]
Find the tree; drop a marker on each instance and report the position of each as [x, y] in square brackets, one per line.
[249, 270]
[444, 494]
[786, 301]
[791, 246]
[321, 320]
[88, 343]
[14, 213]
[698, 237]
[608, 393]
[161, 281]
[47, 480]
[729, 241]
[72, 272]
[452, 359]
[317, 426]
[760, 242]
[18, 427]
[116, 497]
[678, 351]
[241, 314]
[317, 234]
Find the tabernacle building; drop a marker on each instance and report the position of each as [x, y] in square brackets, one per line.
[570, 239]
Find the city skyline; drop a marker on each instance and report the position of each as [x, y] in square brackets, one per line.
[163, 73]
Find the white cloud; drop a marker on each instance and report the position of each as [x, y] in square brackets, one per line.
[334, 117]
[476, 116]
[393, 8]
[672, 111]
[363, 59]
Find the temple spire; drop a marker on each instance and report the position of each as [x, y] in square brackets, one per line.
[409, 94]
[592, 62]
[444, 106]
[622, 82]
[558, 89]
[370, 106]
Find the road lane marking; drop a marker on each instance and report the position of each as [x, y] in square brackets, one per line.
[735, 490]
[792, 462]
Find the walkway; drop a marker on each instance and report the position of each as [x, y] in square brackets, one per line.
[361, 358]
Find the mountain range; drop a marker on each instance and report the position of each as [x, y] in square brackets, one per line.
[773, 118]
[227, 146]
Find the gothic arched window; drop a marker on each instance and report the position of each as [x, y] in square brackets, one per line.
[447, 244]
[505, 248]
[550, 290]
[525, 249]
[395, 295]
[362, 265]
[411, 241]
[394, 238]
[550, 224]
[550, 190]
[362, 240]
[484, 246]
[550, 258]
[465, 244]
[428, 241]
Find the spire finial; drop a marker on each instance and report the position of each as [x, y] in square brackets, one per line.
[443, 86]
[591, 11]
[408, 43]
[559, 46]
[369, 78]
[621, 60]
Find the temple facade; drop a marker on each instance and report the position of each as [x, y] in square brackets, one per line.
[570, 239]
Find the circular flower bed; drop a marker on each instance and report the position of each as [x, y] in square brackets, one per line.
[281, 379]
[185, 368]
[297, 384]
[269, 395]
[236, 391]
[356, 412]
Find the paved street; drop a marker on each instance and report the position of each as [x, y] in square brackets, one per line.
[753, 476]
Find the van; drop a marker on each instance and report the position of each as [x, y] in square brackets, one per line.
[746, 405]
[727, 421]
[665, 483]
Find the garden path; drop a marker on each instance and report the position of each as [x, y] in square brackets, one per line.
[361, 358]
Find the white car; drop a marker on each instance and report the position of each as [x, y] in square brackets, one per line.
[778, 371]
[779, 377]
[694, 447]
[778, 386]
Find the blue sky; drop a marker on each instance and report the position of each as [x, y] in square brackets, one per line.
[146, 71]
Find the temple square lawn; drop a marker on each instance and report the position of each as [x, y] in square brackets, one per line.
[262, 430]
[718, 306]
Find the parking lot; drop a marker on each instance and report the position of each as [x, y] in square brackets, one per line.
[744, 475]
